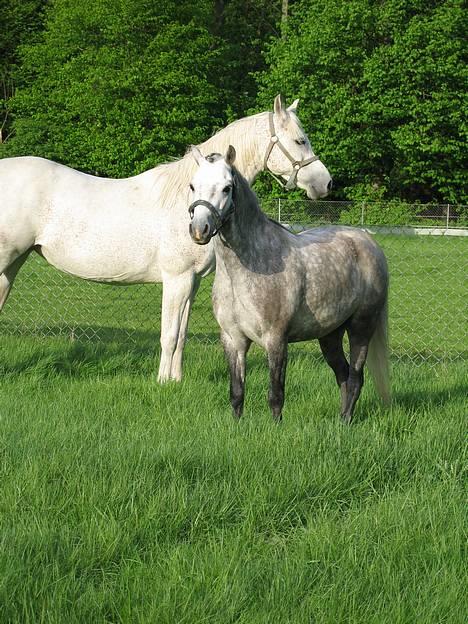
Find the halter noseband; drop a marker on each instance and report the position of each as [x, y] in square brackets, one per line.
[218, 218]
[297, 164]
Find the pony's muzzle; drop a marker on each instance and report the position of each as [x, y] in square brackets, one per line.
[200, 232]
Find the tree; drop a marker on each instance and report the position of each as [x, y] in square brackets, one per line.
[417, 95]
[244, 26]
[21, 19]
[382, 90]
[115, 86]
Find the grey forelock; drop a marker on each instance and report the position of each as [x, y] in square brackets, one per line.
[211, 158]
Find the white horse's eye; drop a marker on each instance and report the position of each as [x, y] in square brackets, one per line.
[226, 189]
[300, 141]
[191, 187]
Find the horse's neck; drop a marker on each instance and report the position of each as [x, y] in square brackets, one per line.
[258, 249]
[248, 234]
[250, 139]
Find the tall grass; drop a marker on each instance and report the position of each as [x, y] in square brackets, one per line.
[125, 501]
[128, 502]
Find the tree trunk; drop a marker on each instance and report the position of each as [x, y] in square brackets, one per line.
[219, 17]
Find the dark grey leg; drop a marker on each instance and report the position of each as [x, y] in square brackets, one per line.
[358, 347]
[236, 352]
[332, 349]
[277, 360]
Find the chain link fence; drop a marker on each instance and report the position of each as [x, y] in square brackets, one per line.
[428, 291]
[425, 218]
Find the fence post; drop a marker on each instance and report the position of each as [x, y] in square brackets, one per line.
[448, 215]
[279, 210]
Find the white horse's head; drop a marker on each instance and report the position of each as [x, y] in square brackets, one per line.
[212, 190]
[290, 155]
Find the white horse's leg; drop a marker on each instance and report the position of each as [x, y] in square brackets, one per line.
[8, 277]
[177, 291]
[176, 367]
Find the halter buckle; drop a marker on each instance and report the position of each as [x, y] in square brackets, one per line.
[296, 165]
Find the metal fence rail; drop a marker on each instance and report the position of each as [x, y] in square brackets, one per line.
[380, 213]
[428, 292]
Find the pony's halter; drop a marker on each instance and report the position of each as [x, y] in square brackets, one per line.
[219, 219]
[297, 164]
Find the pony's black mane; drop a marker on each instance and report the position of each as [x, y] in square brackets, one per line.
[253, 204]
[280, 225]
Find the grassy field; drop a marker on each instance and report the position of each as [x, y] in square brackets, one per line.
[124, 501]
[428, 303]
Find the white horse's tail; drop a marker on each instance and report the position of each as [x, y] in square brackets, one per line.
[377, 357]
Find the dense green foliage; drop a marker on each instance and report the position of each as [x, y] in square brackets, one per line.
[114, 86]
[384, 91]
[20, 20]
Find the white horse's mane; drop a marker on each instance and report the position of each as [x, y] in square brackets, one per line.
[175, 177]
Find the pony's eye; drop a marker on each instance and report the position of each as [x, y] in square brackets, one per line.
[226, 189]
[300, 141]
[191, 187]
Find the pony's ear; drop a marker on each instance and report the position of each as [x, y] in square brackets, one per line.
[293, 107]
[230, 155]
[279, 107]
[197, 154]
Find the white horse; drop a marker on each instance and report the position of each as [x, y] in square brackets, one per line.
[135, 230]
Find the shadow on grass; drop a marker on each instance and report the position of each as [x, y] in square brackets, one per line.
[90, 333]
[78, 360]
[93, 334]
[430, 397]
[87, 350]
[83, 333]
[91, 349]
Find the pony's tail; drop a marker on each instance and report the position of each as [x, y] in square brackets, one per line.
[377, 357]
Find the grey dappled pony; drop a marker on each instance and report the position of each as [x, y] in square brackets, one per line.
[273, 287]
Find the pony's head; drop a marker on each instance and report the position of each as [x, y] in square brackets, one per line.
[212, 194]
[290, 155]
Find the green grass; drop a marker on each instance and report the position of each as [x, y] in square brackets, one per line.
[428, 303]
[126, 502]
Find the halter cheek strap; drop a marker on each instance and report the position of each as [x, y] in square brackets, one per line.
[219, 219]
[297, 164]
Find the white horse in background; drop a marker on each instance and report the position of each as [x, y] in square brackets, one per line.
[135, 230]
